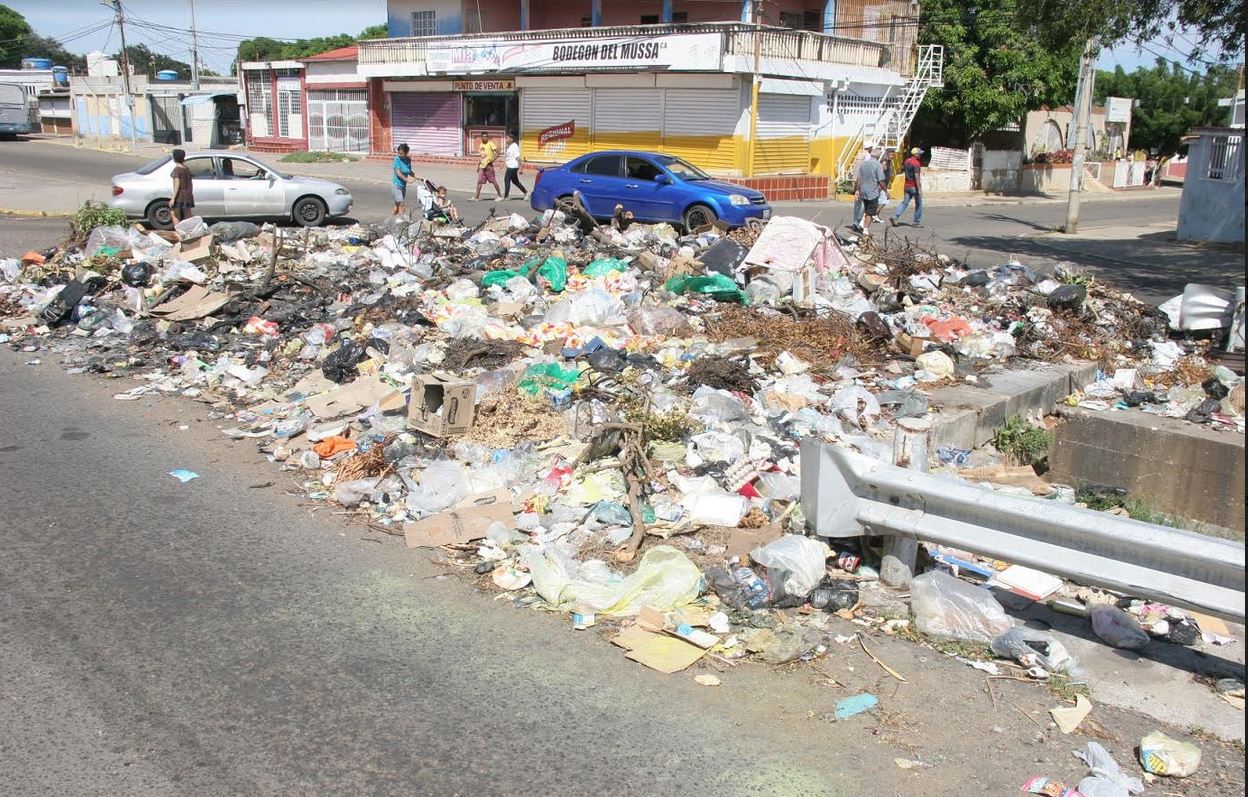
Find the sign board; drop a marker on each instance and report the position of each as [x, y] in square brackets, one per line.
[484, 85]
[694, 51]
[1118, 109]
[560, 132]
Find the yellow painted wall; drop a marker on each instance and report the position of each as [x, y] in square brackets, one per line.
[556, 151]
[782, 156]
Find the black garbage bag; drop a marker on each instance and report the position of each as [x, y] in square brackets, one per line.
[1203, 412]
[226, 232]
[1068, 297]
[1215, 389]
[136, 275]
[340, 366]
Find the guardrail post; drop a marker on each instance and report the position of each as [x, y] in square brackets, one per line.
[910, 452]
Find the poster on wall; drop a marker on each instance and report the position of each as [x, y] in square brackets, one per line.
[1117, 109]
[553, 140]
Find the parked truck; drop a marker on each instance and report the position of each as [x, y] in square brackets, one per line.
[14, 110]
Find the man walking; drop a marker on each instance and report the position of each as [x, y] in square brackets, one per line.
[914, 189]
[870, 188]
[485, 168]
[866, 154]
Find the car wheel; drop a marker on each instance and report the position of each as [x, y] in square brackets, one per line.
[159, 215]
[309, 212]
[699, 216]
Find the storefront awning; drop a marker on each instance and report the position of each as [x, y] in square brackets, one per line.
[201, 99]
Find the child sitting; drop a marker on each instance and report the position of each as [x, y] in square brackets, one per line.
[441, 201]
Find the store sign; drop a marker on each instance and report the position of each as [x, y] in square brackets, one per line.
[484, 85]
[560, 132]
[1118, 109]
[695, 51]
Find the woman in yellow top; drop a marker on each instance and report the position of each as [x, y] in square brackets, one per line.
[485, 169]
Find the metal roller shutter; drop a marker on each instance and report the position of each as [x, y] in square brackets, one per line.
[783, 134]
[542, 108]
[627, 118]
[428, 122]
[700, 125]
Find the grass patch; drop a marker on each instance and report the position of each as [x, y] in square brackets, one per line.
[318, 157]
[1022, 442]
[976, 651]
[1139, 509]
[1063, 687]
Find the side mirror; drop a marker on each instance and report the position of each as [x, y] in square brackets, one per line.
[662, 179]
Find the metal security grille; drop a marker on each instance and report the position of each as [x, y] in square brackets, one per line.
[338, 120]
[260, 109]
[424, 23]
[289, 105]
[1224, 157]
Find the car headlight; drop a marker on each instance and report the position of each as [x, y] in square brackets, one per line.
[343, 192]
[738, 199]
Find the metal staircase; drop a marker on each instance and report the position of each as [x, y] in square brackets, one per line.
[896, 112]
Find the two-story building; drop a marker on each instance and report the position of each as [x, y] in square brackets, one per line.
[582, 75]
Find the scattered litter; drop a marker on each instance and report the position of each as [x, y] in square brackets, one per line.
[707, 680]
[848, 707]
[1161, 755]
[183, 475]
[1068, 718]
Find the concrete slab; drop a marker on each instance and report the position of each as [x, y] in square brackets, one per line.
[1180, 468]
[969, 414]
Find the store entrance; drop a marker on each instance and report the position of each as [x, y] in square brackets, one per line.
[492, 113]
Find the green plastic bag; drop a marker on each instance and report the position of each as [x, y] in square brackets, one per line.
[555, 272]
[498, 278]
[604, 266]
[715, 285]
[548, 376]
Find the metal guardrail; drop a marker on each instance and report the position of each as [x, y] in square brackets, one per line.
[846, 494]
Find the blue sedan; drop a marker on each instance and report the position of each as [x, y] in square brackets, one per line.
[654, 187]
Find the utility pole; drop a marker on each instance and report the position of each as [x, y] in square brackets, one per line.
[125, 71]
[1083, 111]
[194, 51]
[756, 11]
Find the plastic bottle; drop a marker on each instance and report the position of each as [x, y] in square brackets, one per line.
[319, 334]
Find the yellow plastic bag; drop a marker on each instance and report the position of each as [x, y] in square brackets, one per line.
[666, 579]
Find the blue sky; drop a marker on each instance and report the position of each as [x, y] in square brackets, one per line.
[225, 22]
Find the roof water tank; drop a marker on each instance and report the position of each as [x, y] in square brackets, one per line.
[167, 74]
[36, 63]
[60, 76]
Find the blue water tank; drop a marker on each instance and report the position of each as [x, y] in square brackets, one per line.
[167, 74]
[36, 63]
[60, 76]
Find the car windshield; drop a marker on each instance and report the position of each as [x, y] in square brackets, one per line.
[148, 168]
[683, 170]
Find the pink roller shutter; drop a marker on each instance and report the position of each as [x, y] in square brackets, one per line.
[428, 122]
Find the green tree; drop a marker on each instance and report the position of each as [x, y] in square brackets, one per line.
[1171, 101]
[14, 29]
[147, 62]
[996, 68]
[375, 32]
[1218, 25]
[263, 48]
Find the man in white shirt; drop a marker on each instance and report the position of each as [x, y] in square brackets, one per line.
[511, 157]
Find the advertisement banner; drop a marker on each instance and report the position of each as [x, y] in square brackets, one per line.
[560, 132]
[695, 51]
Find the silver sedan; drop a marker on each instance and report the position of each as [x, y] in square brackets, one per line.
[229, 186]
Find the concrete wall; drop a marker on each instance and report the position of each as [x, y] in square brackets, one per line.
[1212, 209]
[1054, 178]
[1176, 467]
[1002, 171]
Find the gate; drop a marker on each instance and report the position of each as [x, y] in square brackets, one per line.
[338, 121]
[167, 120]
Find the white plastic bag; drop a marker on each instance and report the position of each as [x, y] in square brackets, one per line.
[595, 308]
[191, 228]
[1107, 779]
[1116, 627]
[801, 558]
[944, 606]
[665, 579]
[1161, 755]
[721, 509]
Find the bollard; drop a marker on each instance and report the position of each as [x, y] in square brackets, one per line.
[909, 452]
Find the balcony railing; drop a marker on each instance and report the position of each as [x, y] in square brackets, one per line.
[736, 40]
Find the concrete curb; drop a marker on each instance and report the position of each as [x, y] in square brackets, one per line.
[36, 214]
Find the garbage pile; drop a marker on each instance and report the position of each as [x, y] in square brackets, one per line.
[601, 420]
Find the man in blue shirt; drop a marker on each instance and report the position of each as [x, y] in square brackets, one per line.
[402, 176]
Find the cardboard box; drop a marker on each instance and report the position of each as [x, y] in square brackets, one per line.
[441, 405]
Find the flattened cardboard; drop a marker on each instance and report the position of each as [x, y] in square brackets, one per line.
[742, 541]
[355, 397]
[463, 524]
[667, 654]
[441, 405]
[197, 302]
[195, 250]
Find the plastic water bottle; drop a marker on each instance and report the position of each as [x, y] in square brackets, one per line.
[755, 590]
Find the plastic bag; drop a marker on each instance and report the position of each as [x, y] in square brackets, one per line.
[351, 493]
[442, 485]
[553, 273]
[1107, 779]
[595, 308]
[604, 266]
[937, 365]
[548, 376]
[107, 241]
[340, 365]
[191, 228]
[749, 587]
[1030, 648]
[943, 606]
[226, 232]
[723, 509]
[845, 403]
[660, 321]
[665, 579]
[498, 278]
[1161, 755]
[802, 558]
[1116, 627]
[715, 285]
[180, 270]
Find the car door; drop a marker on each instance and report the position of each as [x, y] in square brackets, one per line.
[601, 184]
[647, 194]
[208, 190]
[250, 190]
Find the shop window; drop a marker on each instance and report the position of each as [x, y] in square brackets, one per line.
[424, 23]
[490, 110]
